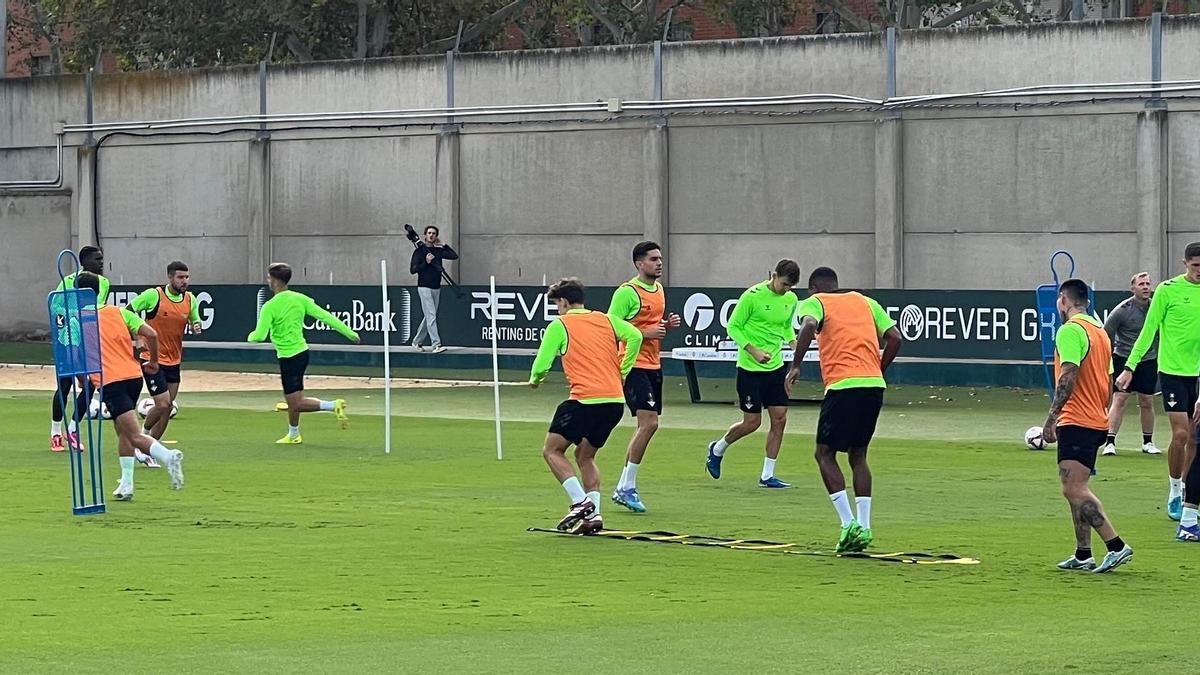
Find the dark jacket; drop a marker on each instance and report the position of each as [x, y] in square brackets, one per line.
[429, 275]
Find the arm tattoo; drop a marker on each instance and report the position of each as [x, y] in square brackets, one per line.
[1090, 513]
[1066, 387]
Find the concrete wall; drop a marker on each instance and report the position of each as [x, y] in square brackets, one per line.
[34, 227]
[960, 196]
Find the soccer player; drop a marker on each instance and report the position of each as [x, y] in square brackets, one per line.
[642, 302]
[91, 259]
[761, 325]
[122, 384]
[587, 341]
[1174, 316]
[1078, 421]
[282, 319]
[169, 309]
[848, 327]
[1123, 326]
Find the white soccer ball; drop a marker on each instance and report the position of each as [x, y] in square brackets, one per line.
[145, 406]
[98, 409]
[1034, 440]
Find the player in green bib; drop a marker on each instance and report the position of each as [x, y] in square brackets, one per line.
[762, 324]
[1174, 316]
[91, 259]
[282, 319]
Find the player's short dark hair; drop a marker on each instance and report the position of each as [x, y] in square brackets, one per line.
[88, 280]
[1076, 291]
[280, 271]
[1192, 250]
[434, 228]
[822, 276]
[788, 269]
[176, 266]
[569, 289]
[88, 252]
[643, 249]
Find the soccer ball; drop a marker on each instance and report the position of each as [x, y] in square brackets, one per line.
[145, 405]
[98, 409]
[1034, 440]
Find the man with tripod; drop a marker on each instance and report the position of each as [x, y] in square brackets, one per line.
[426, 263]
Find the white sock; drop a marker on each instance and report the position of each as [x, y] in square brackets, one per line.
[841, 504]
[71, 426]
[768, 468]
[160, 453]
[720, 447]
[574, 490]
[621, 480]
[1176, 488]
[1189, 516]
[594, 498]
[293, 432]
[127, 471]
[326, 405]
[863, 504]
[56, 428]
[629, 477]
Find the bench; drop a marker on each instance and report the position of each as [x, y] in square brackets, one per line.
[726, 352]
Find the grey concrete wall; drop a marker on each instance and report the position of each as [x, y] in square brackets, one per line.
[1003, 57]
[375, 84]
[554, 76]
[759, 193]
[33, 229]
[956, 197]
[181, 201]
[845, 64]
[557, 203]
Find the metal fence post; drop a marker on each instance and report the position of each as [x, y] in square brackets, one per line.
[450, 83]
[1156, 53]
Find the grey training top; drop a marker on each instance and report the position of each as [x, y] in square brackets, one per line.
[1123, 325]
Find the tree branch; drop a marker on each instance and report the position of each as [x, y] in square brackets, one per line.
[969, 10]
[379, 32]
[848, 15]
[298, 48]
[1022, 13]
[602, 17]
[489, 23]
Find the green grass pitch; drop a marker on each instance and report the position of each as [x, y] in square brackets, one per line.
[331, 557]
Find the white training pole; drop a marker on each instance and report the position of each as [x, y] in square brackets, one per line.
[496, 372]
[387, 361]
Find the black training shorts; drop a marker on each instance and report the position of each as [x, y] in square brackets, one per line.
[576, 421]
[643, 390]
[1178, 393]
[1145, 376]
[758, 389]
[291, 372]
[122, 396]
[848, 417]
[1080, 444]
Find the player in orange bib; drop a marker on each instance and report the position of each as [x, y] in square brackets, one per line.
[642, 302]
[170, 310]
[589, 344]
[122, 384]
[1078, 421]
[849, 327]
